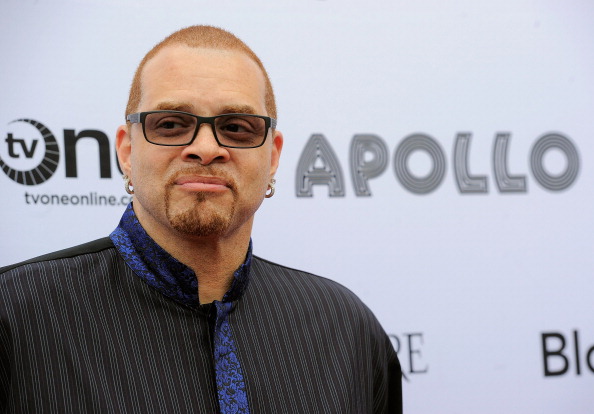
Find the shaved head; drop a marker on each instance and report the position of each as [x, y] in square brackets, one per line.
[200, 37]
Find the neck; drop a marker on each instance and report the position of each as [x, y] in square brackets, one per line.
[214, 259]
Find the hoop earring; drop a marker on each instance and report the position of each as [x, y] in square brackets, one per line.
[270, 189]
[129, 189]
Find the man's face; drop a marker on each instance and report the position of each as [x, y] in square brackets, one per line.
[200, 190]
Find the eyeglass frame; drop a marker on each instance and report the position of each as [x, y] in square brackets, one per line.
[139, 118]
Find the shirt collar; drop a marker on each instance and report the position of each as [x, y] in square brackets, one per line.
[159, 269]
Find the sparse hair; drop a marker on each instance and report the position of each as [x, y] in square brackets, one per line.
[206, 37]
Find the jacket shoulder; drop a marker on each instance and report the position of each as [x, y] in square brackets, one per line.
[272, 270]
[285, 280]
[90, 247]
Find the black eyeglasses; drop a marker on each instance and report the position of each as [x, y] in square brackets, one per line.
[177, 128]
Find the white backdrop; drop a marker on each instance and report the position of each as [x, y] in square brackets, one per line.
[470, 284]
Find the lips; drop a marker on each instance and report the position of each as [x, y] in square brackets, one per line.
[202, 183]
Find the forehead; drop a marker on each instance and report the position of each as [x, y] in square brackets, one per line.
[202, 77]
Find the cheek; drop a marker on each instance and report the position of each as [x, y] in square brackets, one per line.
[145, 167]
[253, 180]
[261, 169]
[137, 166]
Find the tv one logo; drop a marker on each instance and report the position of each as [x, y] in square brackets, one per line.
[369, 158]
[22, 150]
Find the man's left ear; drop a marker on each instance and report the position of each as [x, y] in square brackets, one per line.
[277, 147]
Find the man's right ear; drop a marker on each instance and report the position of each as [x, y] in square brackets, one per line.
[124, 149]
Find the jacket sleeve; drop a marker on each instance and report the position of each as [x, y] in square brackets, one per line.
[5, 375]
[394, 381]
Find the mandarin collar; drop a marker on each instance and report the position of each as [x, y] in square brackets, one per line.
[160, 270]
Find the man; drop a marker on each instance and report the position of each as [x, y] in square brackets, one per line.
[172, 313]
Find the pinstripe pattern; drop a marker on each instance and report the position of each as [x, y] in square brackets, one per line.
[80, 333]
[325, 351]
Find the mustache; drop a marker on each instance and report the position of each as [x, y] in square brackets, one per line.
[205, 171]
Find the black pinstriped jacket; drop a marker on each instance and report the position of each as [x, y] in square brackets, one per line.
[80, 333]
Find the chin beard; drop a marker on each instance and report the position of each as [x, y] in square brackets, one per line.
[197, 220]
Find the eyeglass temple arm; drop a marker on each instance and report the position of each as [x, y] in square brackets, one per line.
[134, 118]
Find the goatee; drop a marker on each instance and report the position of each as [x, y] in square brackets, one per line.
[199, 220]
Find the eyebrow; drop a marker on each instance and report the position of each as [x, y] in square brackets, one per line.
[185, 107]
[239, 109]
[174, 106]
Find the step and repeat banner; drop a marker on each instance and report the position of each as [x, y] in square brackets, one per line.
[438, 161]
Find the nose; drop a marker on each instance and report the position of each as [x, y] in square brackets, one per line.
[205, 147]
